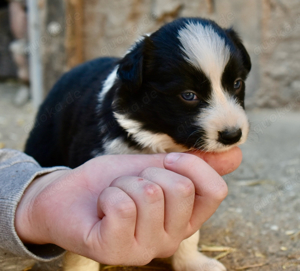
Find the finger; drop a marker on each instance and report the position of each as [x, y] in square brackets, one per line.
[149, 200]
[132, 165]
[210, 188]
[110, 167]
[222, 162]
[118, 213]
[179, 194]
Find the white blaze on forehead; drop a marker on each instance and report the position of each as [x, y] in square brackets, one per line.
[204, 49]
[207, 51]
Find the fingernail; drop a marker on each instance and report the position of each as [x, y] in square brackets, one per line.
[172, 158]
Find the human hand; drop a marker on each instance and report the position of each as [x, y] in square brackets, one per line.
[222, 162]
[124, 209]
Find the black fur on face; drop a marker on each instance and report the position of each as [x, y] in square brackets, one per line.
[159, 68]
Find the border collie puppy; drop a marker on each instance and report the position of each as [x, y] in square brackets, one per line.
[179, 88]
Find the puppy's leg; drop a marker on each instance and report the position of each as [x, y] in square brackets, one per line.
[74, 262]
[188, 258]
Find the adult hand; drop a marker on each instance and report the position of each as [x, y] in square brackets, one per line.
[125, 209]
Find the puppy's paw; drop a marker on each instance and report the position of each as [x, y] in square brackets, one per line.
[198, 262]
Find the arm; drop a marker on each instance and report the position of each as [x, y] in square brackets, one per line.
[17, 171]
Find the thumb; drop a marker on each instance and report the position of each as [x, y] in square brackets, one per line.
[104, 169]
[110, 167]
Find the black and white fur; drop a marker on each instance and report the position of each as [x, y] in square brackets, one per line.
[141, 103]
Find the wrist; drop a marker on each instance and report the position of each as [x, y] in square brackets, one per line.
[30, 220]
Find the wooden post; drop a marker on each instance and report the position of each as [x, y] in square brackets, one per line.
[61, 38]
[53, 24]
[35, 60]
[74, 32]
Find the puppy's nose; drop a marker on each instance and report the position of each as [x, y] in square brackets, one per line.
[230, 136]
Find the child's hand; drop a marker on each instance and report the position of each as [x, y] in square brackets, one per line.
[125, 209]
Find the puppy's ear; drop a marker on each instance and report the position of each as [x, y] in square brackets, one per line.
[238, 43]
[131, 66]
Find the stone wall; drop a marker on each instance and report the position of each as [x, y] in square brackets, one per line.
[270, 30]
[279, 54]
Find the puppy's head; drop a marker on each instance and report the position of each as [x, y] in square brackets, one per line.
[183, 87]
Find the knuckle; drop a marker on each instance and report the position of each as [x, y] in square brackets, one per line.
[222, 192]
[219, 190]
[152, 192]
[141, 257]
[116, 180]
[125, 209]
[169, 251]
[145, 260]
[113, 259]
[184, 187]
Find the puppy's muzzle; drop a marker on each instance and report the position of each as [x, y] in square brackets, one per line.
[230, 136]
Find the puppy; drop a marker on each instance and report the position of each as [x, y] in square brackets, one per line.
[179, 88]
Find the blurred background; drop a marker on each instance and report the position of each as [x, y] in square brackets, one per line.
[257, 226]
[42, 39]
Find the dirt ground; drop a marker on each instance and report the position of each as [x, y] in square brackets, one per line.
[257, 226]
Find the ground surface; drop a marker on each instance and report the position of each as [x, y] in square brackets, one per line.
[260, 218]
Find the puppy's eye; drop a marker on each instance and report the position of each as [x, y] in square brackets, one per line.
[189, 96]
[237, 84]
